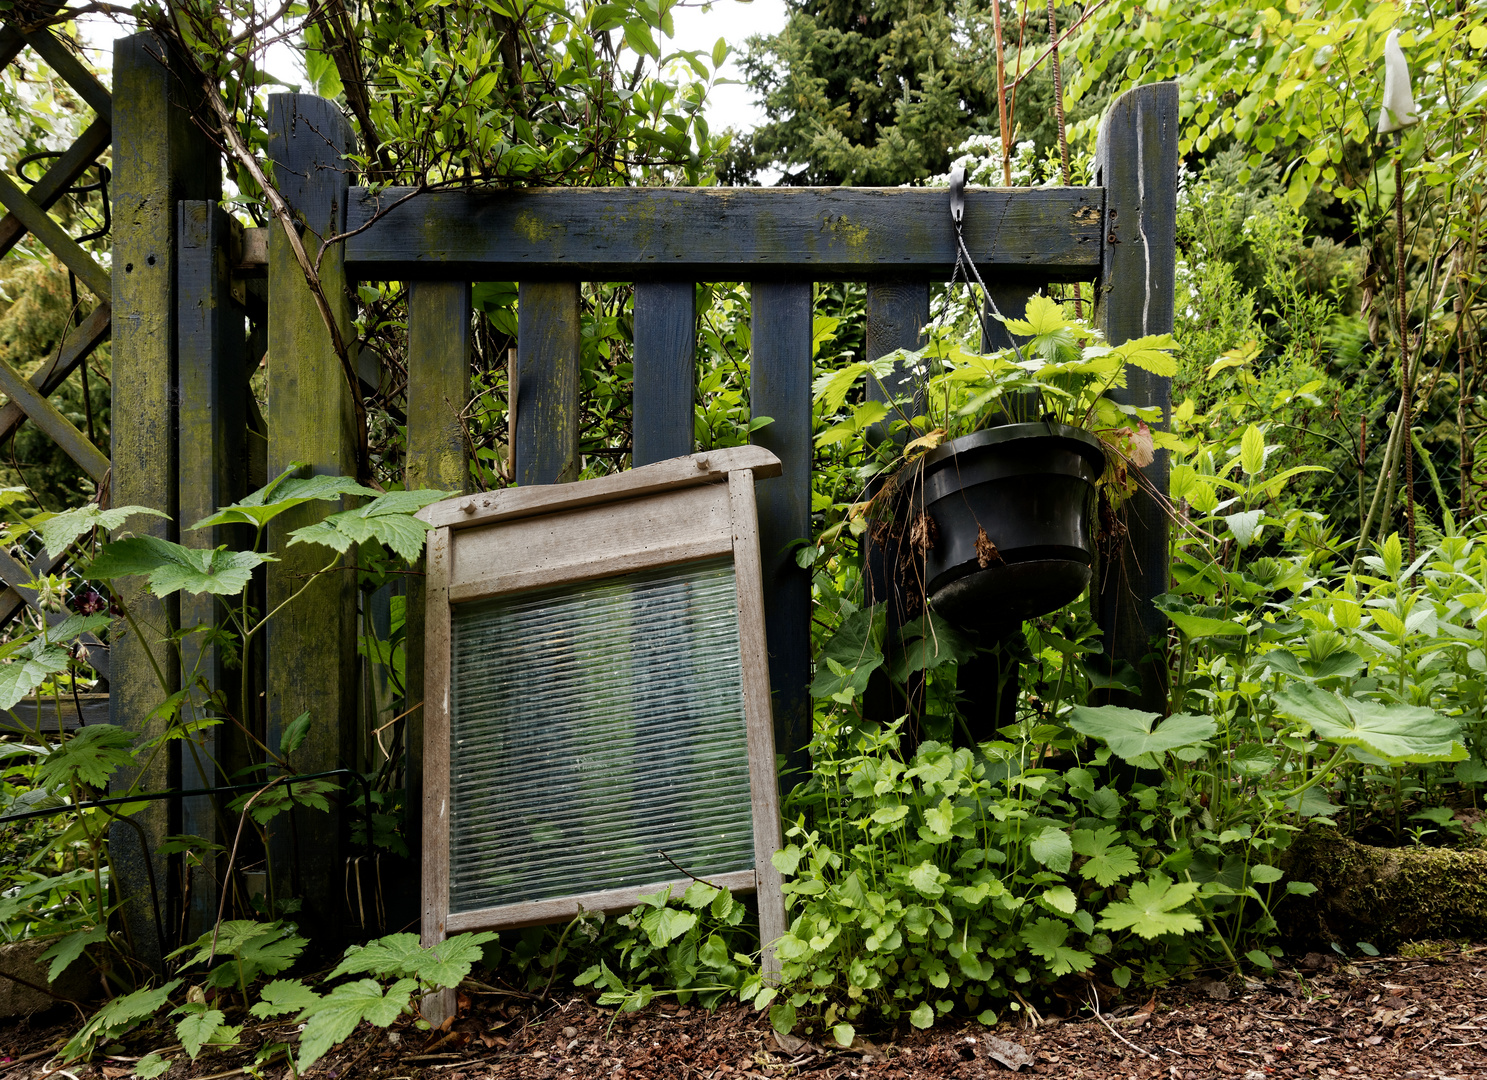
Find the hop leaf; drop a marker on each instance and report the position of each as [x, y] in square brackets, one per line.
[388, 519]
[89, 757]
[60, 530]
[1151, 909]
[171, 567]
[283, 493]
[402, 956]
[334, 1017]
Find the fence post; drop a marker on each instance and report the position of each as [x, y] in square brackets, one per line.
[438, 389]
[212, 430]
[780, 388]
[160, 156]
[1136, 162]
[311, 645]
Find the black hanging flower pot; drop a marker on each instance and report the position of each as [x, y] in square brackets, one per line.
[1013, 513]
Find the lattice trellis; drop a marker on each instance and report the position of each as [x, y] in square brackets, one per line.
[27, 213]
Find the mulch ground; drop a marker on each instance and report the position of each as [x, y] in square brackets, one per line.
[1390, 1017]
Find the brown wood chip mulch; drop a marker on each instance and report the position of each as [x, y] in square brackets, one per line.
[1386, 1018]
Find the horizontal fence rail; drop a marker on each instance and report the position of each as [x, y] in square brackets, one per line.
[719, 234]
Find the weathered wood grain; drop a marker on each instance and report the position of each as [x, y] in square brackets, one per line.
[438, 390]
[754, 657]
[160, 156]
[780, 388]
[311, 654]
[665, 362]
[544, 409]
[591, 542]
[661, 234]
[537, 912]
[76, 348]
[897, 313]
[49, 418]
[212, 428]
[709, 467]
[40, 225]
[1137, 161]
[435, 805]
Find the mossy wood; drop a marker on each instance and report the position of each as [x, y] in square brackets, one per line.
[1384, 896]
[212, 420]
[311, 644]
[438, 390]
[720, 234]
[160, 157]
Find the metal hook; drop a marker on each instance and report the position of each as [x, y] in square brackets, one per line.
[957, 195]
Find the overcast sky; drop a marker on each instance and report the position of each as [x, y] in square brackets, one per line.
[733, 21]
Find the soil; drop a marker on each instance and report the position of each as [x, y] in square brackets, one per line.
[1389, 1017]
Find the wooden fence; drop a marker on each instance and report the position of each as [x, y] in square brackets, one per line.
[201, 301]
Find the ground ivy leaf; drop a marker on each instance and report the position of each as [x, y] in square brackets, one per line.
[1053, 849]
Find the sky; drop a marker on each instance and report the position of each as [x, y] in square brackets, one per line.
[697, 27]
[733, 21]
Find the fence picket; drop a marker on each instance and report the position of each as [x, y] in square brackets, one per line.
[545, 395]
[438, 389]
[665, 371]
[780, 388]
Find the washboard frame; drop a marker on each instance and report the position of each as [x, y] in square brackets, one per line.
[608, 521]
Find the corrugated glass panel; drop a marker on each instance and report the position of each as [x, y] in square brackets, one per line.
[592, 727]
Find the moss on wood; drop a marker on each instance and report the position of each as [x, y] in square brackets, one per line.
[1383, 895]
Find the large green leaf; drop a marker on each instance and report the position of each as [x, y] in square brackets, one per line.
[1398, 734]
[27, 667]
[333, 1018]
[402, 956]
[172, 567]
[117, 1017]
[284, 492]
[856, 648]
[60, 530]
[1150, 909]
[1045, 938]
[388, 519]
[1129, 733]
[927, 644]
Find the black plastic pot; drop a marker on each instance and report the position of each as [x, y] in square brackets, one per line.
[1032, 488]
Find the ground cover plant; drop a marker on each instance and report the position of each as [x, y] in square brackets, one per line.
[1326, 662]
